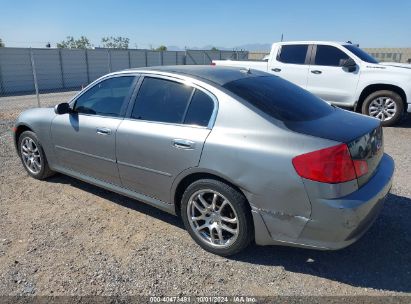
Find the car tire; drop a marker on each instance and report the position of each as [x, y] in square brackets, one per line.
[224, 213]
[32, 156]
[385, 105]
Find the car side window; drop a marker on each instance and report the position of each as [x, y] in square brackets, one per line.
[329, 56]
[294, 54]
[106, 98]
[200, 109]
[162, 100]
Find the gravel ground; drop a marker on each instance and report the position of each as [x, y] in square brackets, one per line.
[65, 237]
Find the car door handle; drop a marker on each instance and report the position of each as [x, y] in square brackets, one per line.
[103, 131]
[316, 72]
[183, 144]
[276, 70]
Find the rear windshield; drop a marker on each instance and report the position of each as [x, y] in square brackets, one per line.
[280, 99]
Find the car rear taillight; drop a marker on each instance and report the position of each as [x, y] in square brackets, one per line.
[361, 167]
[330, 165]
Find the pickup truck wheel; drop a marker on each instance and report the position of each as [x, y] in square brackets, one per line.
[385, 105]
[32, 156]
[217, 217]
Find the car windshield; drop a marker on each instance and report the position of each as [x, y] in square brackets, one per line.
[364, 56]
[279, 98]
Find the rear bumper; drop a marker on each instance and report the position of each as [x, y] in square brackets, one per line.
[337, 223]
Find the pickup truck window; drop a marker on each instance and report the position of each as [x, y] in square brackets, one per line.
[279, 99]
[294, 54]
[329, 56]
[364, 56]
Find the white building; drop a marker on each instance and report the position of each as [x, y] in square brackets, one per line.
[391, 54]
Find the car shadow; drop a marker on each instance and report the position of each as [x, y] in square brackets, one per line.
[119, 199]
[381, 259]
[404, 123]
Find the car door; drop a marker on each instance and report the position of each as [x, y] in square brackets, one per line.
[328, 79]
[291, 63]
[84, 140]
[163, 134]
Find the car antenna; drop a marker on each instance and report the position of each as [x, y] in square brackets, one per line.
[246, 70]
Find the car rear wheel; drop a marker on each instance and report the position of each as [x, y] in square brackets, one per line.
[32, 156]
[385, 105]
[217, 216]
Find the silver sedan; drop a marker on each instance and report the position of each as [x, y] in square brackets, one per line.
[241, 155]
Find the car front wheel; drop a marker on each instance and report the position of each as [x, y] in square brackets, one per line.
[32, 156]
[217, 216]
[385, 105]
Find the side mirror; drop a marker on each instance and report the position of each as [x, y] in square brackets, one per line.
[349, 64]
[62, 108]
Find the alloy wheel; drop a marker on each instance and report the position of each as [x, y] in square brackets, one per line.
[213, 218]
[383, 108]
[31, 155]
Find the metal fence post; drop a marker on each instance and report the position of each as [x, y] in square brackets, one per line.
[145, 58]
[129, 59]
[161, 58]
[2, 89]
[176, 57]
[209, 58]
[61, 70]
[87, 67]
[33, 69]
[109, 60]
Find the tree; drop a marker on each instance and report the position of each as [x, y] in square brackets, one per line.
[71, 43]
[2, 43]
[115, 42]
[161, 48]
[214, 48]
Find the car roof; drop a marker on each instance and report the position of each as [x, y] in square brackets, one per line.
[216, 74]
[313, 42]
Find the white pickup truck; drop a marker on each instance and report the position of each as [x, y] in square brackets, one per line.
[341, 74]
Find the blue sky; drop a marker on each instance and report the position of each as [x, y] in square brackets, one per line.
[225, 23]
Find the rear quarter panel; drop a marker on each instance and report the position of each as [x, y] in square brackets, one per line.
[256, 154]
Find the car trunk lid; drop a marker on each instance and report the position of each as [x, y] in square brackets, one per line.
[363, 136]
[368, 148]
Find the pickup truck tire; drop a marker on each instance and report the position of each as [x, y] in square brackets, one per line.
[385, 105]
